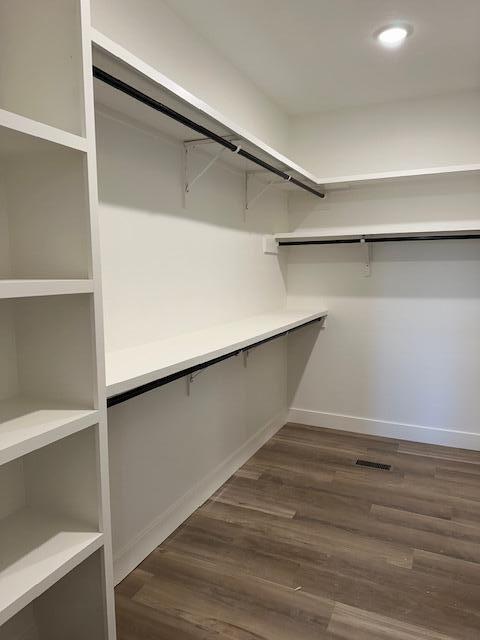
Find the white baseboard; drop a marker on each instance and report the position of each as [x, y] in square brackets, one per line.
[416, 433]
[157, 531]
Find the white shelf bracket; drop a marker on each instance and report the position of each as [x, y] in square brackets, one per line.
[367, 257]
[189, 183]
[246, 355]
[190, 380]
[249, 203]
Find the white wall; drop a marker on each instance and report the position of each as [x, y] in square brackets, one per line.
[397, 136]
[169, 270]
[152, 31]
[399, 355]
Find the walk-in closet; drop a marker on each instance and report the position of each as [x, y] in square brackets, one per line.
[239, 320]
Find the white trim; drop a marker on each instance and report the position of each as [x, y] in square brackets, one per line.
[386, 428]
[132, 554]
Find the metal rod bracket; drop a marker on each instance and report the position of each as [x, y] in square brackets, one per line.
[367, 257]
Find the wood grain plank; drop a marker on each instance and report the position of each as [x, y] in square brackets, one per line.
[348, 623]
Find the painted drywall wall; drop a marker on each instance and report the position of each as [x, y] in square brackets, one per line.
[154, 32]
[399, 354]
[399, 136]
[169, 270]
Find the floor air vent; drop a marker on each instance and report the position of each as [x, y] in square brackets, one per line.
[373, 465]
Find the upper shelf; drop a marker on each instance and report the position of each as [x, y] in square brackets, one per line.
[379, 232]
[121, 63]
[130, 368]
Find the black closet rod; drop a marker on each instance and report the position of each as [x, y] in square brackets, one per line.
[287, 243]
[160, 382]
[118, 84]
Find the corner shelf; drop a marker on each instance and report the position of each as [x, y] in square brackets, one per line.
[127, 369]
[119, 61]
[33, 288]
[27, 424]
[37, 550]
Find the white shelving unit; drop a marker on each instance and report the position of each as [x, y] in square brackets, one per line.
[55, 535]
[130, 368]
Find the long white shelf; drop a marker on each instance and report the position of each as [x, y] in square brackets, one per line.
[26, 425]
[357, 179]
[17, 134]
[125, 58]
[36, 550]
[118, 53]
[381, 231]
[133, 367]
[33, 288]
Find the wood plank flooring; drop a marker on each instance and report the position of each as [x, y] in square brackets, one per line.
[302, 544]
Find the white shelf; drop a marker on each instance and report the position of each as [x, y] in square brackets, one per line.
[37, 550]
[352, 180]
[19, 134]
[121, 61]
[381, 231]
[33, 288]
[26, 425]
[130, 368]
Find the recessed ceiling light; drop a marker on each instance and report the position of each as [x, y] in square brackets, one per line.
[394, 35]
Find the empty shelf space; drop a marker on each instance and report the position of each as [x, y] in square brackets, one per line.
[133, 367]
[33, 288]
[26, 425]
[37, 549]
[19, 135]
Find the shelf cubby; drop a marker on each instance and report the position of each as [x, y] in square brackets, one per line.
[44, 218]
[49, 517]
[72, 608]
[47, 372]
[41, 75]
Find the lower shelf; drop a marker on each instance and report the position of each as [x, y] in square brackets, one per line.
[130, 368]
[37, 549]
[26, 425]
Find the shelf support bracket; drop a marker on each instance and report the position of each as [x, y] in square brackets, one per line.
[367, 257]
[190, 380]
[189, 183]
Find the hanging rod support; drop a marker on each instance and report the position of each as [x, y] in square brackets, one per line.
[128, 90]
[367, 257]
[189, 185]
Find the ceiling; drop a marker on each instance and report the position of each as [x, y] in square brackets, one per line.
[314, 55]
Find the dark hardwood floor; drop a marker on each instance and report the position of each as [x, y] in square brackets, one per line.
[302, 544]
